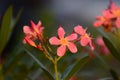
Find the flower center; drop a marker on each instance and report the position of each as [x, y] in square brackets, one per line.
[64, 41]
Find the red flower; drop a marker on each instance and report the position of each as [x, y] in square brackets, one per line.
[63, 42]
[85, 39]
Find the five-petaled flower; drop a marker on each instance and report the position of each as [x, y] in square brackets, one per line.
[63, 42]
[33, 33]
[85, 39]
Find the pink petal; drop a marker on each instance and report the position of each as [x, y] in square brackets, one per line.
[91, 46]
[27, 30]
[117, 23]
[99, 41]
[113, 6]
[78, 29]
[61, 50]
[30, 42]
[84, 41]
[35, 27]
[98, 23]
[107, 14]
[71, 37]
[61, 32]
[72, 47]
[54, 41]
[39, 25]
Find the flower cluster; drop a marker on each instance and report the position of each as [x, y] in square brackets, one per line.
[110, 18]
[35, 33]
[68, 41]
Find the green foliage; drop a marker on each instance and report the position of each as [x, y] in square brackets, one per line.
[40, 65]
[112, 49]
[72, 69]
[5, 28]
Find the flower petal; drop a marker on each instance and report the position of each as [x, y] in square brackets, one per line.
[72, 47]
[54, 41]
[71, 37]
[98, 23]
[84, 41]
[99, 41]
[117, 23]
[61, 50]
[27, 30]
[30, 42]
[78, 29]
[61, 32]
[107, 14]
[91, 45]
[35, 27]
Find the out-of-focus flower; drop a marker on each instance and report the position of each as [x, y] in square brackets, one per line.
[33, 33]
[102, 47]
[110, 18]
[63, 42]
[73, 78]
[85, 38]
[104, 20]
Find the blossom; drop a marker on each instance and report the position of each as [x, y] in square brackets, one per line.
[115, 10]
[105, 20]
[85, 39]
[33, 33]
[29, 41]
[110, 18]
[103, 49]
[63, 41]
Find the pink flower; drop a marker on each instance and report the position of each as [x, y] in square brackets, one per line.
[103, 49]
[110, 18]
[118, 22]
[63, 42]
[29, 41]
[33, 33]
[85, 39]
[105, 20]
[115, 10]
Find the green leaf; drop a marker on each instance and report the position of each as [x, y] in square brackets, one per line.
[41, 65]
[72, 69]
[16, 19]
[5, 28]
[112, 49]
[114, 74]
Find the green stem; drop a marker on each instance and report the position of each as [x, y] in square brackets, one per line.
[56, 70]
[47, 54]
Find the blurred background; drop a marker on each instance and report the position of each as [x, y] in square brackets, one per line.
[52, 13]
